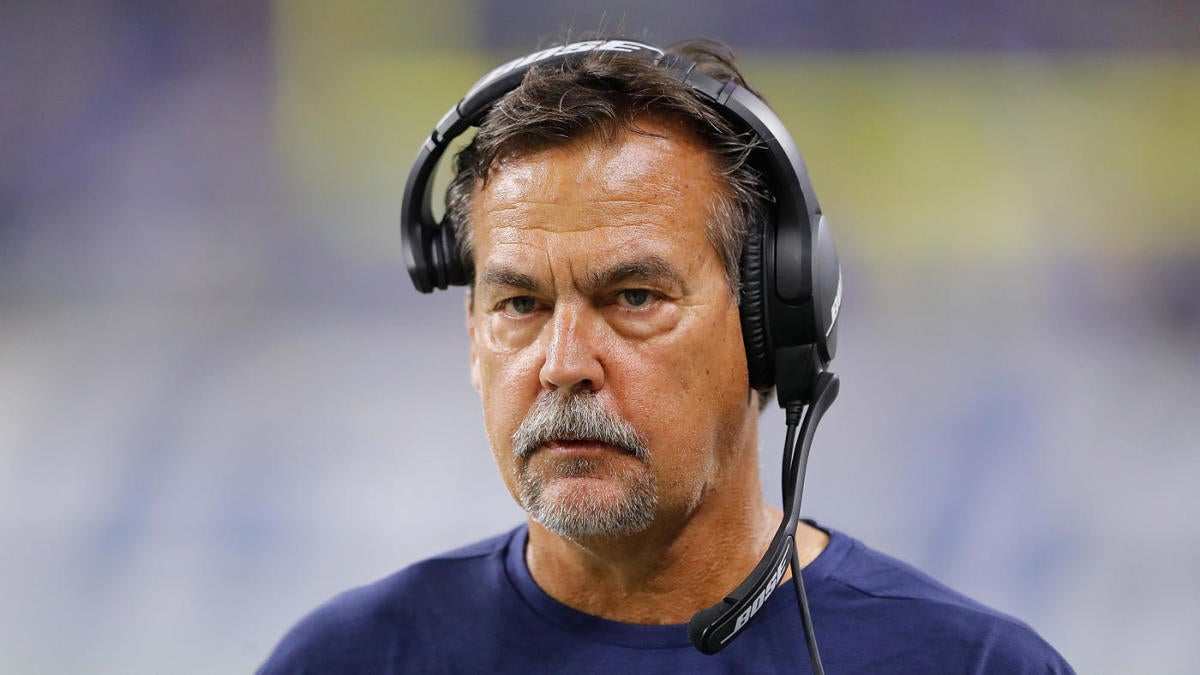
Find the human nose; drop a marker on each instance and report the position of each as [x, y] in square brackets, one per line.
[572, 354]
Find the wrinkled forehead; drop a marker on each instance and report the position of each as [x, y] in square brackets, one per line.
[654, 167]
[649, 189]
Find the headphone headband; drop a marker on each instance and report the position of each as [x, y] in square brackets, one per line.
[507, 76]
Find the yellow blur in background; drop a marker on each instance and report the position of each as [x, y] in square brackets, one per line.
[964, 155]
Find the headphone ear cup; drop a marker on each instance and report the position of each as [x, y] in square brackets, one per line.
[450, 268]
[753, 313]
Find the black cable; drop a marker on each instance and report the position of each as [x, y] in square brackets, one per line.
[792, 419]
[795, 464]
[810, 636]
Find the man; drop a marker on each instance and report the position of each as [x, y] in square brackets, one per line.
[599, 217]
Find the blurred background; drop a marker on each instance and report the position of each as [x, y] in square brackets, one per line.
[221, 402]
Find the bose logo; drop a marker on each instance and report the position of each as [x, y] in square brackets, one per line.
[837, 305]
[760, 600]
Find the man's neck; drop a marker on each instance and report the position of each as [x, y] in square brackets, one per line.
[665, 574]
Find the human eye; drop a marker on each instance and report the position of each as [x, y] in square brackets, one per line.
[635, 298]
[521, 305]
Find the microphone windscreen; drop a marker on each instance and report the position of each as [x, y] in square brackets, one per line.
[700, 627]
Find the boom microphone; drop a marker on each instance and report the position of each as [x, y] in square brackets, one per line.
[711, 629]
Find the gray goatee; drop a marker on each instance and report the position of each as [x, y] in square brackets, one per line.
[573, 514]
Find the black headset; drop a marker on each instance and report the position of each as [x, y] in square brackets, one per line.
[791, 280]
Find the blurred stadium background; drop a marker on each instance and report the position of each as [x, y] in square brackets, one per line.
[221, 402]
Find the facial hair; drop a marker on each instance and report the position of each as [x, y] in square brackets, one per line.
[581, 514]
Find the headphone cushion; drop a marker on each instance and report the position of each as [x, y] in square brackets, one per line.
[450, 270]
[753, 313]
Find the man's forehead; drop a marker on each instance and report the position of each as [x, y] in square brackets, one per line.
[578, 236]
[582, 207]
[588, 185]
[633, 172]
[630, 151]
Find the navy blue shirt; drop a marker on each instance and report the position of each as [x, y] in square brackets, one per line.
[478, 610]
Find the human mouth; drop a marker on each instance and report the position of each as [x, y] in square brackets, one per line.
[582, 448]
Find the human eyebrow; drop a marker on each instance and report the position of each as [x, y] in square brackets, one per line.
[511, 278]
[652, 269]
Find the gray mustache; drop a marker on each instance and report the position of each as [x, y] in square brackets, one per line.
[558, 416]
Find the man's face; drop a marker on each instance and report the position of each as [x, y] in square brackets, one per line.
[603, 329]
